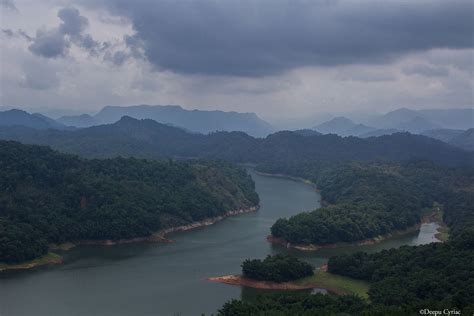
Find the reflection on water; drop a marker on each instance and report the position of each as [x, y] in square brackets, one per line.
[251, 294]
[164, 279]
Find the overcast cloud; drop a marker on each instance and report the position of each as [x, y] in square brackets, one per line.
[277, 58]
[255, 38]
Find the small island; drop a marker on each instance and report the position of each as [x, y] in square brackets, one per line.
[274, 272]
[278, 268]
[284, 272]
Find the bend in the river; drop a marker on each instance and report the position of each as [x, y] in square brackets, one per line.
[165, 279]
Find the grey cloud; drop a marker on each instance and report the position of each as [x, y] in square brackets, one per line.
[8, 32]
[73, 23]
[461, 59]
[49, 44]
[426, 70]
[135, 45]
[88, 42]
[117, 58]
[134, 49]
[257, 38]
[364, 76]
[39, 76]
[16, 34]
[56, 42]
[24, 35]
[8, 4]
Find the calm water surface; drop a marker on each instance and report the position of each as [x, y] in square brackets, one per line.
[170, 279]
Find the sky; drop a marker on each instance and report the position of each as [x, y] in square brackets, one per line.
[279, 59]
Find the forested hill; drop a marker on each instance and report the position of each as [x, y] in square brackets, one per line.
[149, 139]
[424, 276]
[405, 280]
[369, 199]
[48, 197]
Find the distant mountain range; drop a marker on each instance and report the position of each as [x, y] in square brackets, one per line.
[444, 134]
[424, 122]
[193, 120]
[343, 126]
[402, 120]
[379, 132]
[455, 137]
[307, 132]
[416, 121]
[464, 140]
[80, 121]
[452, 119]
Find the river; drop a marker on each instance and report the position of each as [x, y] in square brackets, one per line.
[152, 278]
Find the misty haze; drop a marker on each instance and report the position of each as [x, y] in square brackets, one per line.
[236, 157]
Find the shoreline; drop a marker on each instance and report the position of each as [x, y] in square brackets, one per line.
[332, 283]
[235, 279]
[285, 176]
[426, 219]
[48, 259]
[434, 217]
[159, 236]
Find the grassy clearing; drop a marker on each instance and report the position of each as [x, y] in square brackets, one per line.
[63, 247]
[336, 283]
[49, 258]
[443, 230]
[443, 233]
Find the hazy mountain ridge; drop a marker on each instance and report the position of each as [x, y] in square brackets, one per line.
[343, 126]
[464, 140]
[380, 132]
[400, 120]
[336, 125]
[16, 117]
[150, 139]
[455, 137]
[306, 132]
[80, 121]
[423, 122]
[452, 118]
[443, 134]
[194, 120]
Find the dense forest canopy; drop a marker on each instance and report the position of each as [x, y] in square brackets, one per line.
[48, 197]
[438, 272]
[372, 186]
[296, 304]
[442, 272]
[403, 281]
[369, 199]
[277, 268]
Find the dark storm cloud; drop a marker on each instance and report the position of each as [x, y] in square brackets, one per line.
[56, 42]
[255, 38]
[426, 70]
